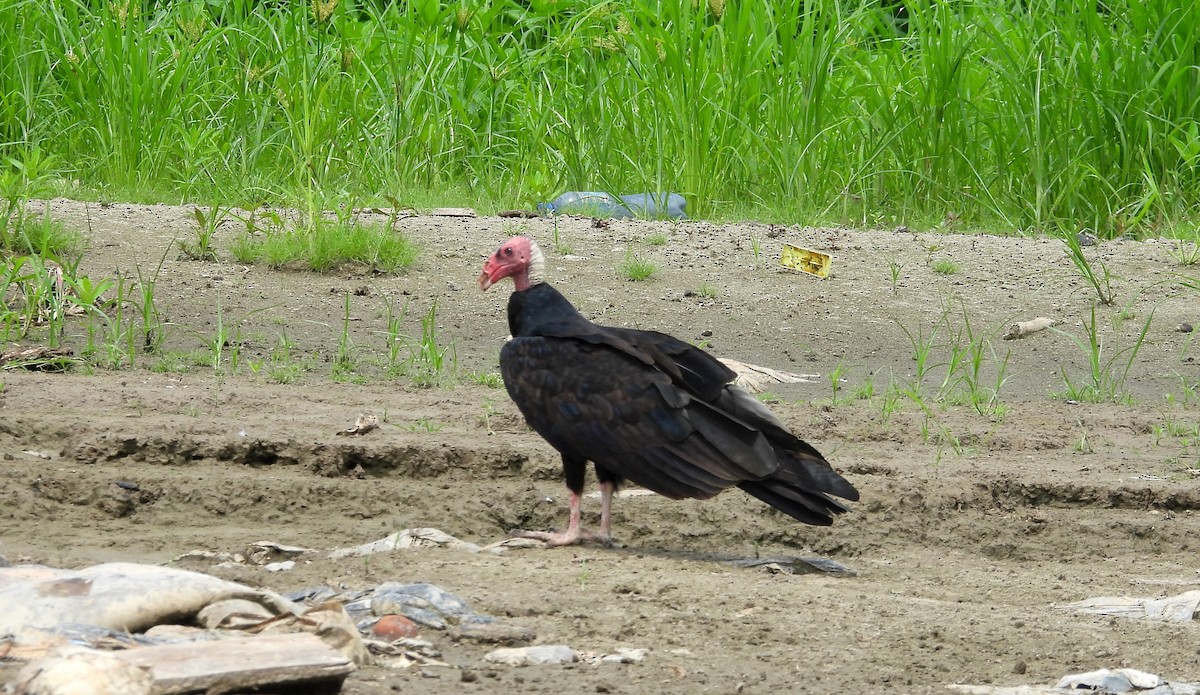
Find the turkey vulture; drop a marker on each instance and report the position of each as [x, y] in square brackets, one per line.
[644, 407]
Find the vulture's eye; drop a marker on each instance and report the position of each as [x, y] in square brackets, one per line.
[508, 251]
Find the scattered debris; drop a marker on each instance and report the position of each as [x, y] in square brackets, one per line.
[328, 620]
[217, 558]
[392, 627]
[109, 605]
[452, 212]
[621, 655]
[73, 669]
[806, 260]
[221, 666]
[118, 595]
[408, 539]
[797, 565]
[523, 214]
[1180, 608]
[1003, 690]
[1021, 329]
[365, 423]
[40, 358]
[600, 204]
[1121, 680]
[262, 552]
[406, 652]
[399, 213]
[533, 656]
[422, 603]
[496, 633]
[274, 557]
[756, 379]
[500, 547]
[233, 614]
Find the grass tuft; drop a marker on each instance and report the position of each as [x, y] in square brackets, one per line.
[636, 268]
[325, 244]
[945, 267]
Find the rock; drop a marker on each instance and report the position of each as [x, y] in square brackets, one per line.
[390, 628]
[533, 656]
[1185, 327]
[280, 566]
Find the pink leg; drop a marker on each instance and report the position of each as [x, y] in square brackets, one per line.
[575, 533]
[606, 498]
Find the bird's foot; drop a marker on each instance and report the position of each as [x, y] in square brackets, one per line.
[574, 536]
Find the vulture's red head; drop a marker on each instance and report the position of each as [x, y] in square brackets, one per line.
[518, 258]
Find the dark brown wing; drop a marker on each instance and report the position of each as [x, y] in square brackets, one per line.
[661, 413]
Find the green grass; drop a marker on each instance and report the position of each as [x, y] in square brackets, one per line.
[1186, 250]
[560, 245]
[1097, 276]
[1108, 367]
[201, 249]
[635, 268]
[1047, 115]
[973, 372]
[323, 244]
[945, 267]
[491, 380]
[430, 363]
[894, 269]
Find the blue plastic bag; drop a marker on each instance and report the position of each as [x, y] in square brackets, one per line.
[601, 204]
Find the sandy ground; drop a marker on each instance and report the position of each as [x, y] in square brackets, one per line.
[973, 528]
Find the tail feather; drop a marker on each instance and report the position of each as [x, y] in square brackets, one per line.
[802, 486]
[809, 507]
[814, 473]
